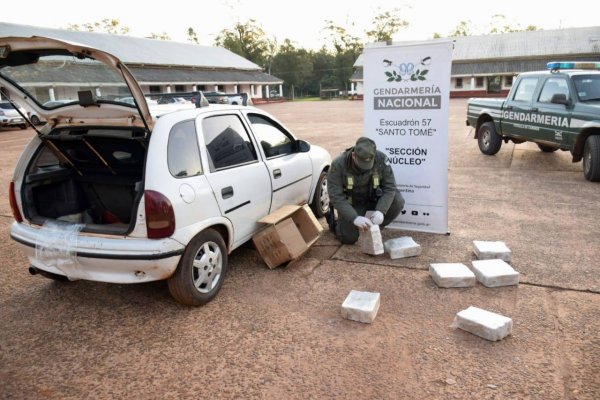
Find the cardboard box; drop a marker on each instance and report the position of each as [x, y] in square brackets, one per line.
[289, 233]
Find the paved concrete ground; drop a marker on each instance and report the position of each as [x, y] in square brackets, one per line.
[278, 334]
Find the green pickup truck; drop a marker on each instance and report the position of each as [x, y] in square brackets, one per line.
[556, 109]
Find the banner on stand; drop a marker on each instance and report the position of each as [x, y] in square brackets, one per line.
[406, 96]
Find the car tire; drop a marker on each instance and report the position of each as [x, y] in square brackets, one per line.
[35, 120]
[487, 138]
[320, 203]
[201, 270]
[547, 149]
[591, 159]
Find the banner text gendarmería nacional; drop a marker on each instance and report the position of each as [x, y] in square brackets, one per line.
[406, 98]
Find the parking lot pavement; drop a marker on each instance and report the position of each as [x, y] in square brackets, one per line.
[279, 333]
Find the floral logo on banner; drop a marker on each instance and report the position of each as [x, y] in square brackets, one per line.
[407, 71]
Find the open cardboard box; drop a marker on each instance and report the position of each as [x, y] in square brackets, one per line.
[290, 232]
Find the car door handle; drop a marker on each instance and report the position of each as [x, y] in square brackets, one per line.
[508, 107]
[227, 192]
[535, 109]
[276, 173]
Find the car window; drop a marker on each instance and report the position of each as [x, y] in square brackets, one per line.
[273, 140]
[525, 89]
[588, 87]
[183, 156]
[551, 87]
[227, 142]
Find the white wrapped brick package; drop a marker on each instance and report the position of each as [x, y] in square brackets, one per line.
[491, 250]
[451, 275]
[494, 273]
[485, 324]
[361, 306]
[402, 247]
[370, 241]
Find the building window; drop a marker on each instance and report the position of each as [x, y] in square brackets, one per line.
[479, 82]
[180, 88]
[201, 88]
[155, 89]
[459, 83]
[508, 81]
[220, 88]
[494, 84]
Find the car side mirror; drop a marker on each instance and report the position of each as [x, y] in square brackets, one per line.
[559, 98]
[303, 146]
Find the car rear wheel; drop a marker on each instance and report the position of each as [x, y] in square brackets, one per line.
[201, 270]
[487, 138]
[320, 203]
[591, 158]
[547, 149]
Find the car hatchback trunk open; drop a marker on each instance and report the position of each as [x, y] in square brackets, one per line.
[87, 176]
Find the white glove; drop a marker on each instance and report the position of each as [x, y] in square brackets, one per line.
[377, 218]
[362, 223]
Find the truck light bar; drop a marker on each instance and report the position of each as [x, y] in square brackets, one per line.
[556, 65]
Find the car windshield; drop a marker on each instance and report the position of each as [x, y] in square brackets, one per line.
[588, 87]
[55, 80]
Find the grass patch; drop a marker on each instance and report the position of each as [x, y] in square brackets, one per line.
[307, 99]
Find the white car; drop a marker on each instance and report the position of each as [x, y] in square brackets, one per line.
[9, 117]
[106, 192]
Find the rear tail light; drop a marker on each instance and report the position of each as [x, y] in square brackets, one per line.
[160, 217]
[12, 197]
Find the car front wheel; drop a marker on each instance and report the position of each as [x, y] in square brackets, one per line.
[591, 159]
[487, 138]
[201, 270]
[320, 203]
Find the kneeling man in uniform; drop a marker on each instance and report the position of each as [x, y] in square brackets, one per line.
[361, 179]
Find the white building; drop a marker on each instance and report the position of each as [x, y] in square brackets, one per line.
[162, 66]
[486, 65]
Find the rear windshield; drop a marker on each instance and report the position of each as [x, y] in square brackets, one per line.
[54, 80]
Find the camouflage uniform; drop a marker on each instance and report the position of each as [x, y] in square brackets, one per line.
[353, 192]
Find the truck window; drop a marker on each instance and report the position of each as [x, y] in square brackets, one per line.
[551, 87]
[525, 89]
[588, 87]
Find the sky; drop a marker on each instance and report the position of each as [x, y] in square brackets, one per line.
[301, 21]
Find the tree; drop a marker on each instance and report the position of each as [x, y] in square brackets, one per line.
[107, 25]
[247, 40]
[160, 36]
[293, 65]
[192, 36]
[498, 24]
[385, 25]
[347, 49]
[462, 29]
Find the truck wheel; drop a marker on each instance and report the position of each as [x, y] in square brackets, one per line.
[320, 203]
[591, 159]
[487, 138]
[201, 270]
[547, 149]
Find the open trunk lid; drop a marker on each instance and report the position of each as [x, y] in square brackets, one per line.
[72, 84]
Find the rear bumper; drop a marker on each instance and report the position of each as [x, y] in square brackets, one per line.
[115, 259]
